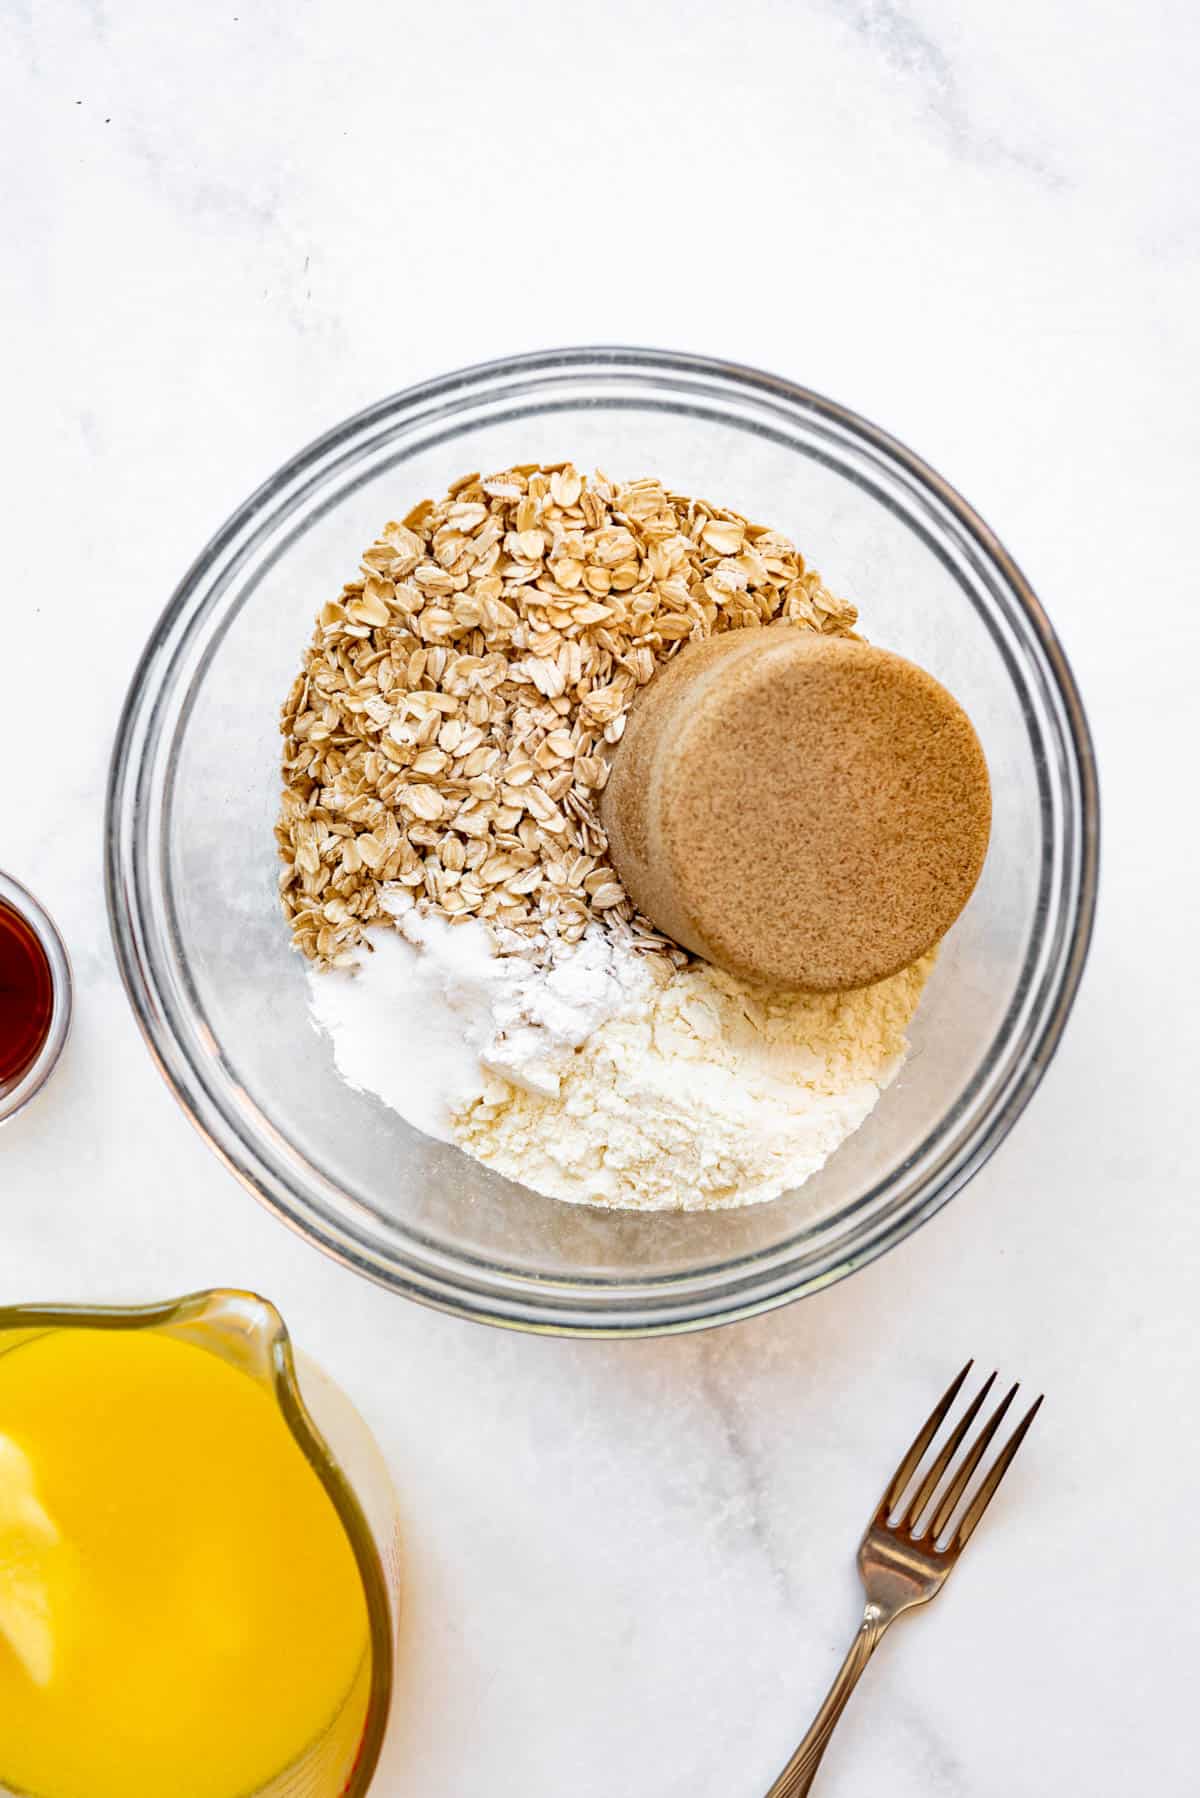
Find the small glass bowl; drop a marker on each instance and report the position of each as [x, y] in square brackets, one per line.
[192, 873]
[18, 1092]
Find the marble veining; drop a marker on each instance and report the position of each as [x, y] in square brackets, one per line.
[918, 55]
[753, 1514]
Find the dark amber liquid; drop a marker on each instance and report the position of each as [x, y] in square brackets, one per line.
[26, 996]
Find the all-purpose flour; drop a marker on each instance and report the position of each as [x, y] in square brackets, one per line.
[704, 1094]
[605, 1077]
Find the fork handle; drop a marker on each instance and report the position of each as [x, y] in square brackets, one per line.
[797, 1777]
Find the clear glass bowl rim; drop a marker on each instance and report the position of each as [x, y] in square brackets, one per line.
[459, 1283]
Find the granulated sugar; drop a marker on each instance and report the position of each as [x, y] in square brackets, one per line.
[412, 1024]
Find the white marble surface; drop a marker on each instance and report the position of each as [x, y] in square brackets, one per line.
[631, 1565]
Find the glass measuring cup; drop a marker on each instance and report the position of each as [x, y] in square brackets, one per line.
[248, 1334]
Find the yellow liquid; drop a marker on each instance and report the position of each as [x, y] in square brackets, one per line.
[181, 1615]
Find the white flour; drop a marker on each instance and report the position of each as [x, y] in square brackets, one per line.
[708, 1094]
[603, 1077]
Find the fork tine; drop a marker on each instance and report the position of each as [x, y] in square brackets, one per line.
[986, 1492]
[973, 1457]
[925, 1436]
[933, 1478]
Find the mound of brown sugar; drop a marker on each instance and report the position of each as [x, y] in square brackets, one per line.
[804, 810]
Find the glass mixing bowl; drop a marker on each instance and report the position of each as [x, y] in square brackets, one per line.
[192, 871]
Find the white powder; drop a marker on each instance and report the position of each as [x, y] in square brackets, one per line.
[410, 1025]
[602, 1076]
[435, 1019]
[547, 1013]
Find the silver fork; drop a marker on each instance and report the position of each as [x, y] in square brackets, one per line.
[900, 1562]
